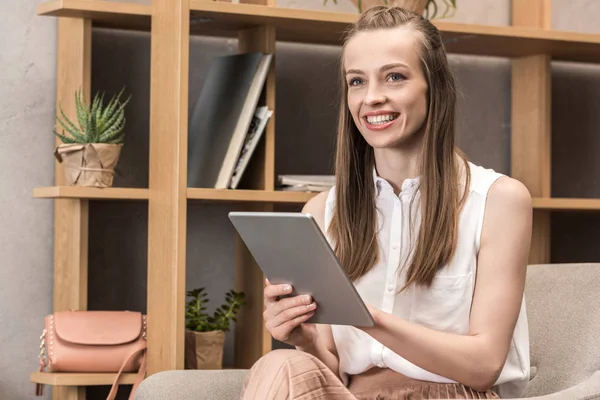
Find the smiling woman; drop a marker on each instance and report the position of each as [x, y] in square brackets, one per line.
[436, 246]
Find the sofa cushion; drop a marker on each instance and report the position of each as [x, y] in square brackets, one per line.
[563, 303]
[192, 385]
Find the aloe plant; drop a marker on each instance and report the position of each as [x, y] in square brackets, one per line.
[96, 123]
[450, 5]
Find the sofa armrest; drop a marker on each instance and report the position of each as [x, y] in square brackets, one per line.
[192, 385]
[586, 390]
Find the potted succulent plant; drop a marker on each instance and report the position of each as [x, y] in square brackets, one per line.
[205, 334]
[430, 8]
[90, 149]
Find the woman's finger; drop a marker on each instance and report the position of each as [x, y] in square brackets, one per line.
[288, 302]
[272, 292]
[289, 314]
[283, 332]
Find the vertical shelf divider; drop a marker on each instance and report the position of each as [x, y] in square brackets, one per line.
[531, 122]
[74, 47]
[252, 340]
[167, 205]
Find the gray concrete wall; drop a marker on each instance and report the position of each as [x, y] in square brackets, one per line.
[305, 125]
[27, 90]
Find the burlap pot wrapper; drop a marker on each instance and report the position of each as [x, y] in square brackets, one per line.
[90, 164]
[204, 350]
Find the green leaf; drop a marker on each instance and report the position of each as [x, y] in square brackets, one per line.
[112, 133]
[112, 104]
[99, 110]
[65, 139]
[117, 116]
[70, 127]
[81, 111]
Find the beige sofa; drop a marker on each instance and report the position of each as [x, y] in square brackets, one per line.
[563, 307]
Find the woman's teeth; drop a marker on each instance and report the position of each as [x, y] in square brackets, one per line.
[381, 119]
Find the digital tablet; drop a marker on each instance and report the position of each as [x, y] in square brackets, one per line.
[290, 248]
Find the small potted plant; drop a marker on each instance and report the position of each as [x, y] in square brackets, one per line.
[429, 8]
[90, 149]
[205, 334]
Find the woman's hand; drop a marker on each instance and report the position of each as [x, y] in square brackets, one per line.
[285, 318]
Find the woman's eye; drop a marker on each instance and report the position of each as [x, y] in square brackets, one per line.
[355, 81]
[395, 76]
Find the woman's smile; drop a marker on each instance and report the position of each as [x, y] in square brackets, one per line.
[380, 120]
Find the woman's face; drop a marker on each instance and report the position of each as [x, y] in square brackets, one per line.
[387, 90]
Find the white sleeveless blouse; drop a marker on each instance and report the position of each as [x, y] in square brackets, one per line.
[445, 306]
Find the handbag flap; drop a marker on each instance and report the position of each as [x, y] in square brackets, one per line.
[98, 327]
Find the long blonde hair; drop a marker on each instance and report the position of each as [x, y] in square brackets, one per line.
[354, 224]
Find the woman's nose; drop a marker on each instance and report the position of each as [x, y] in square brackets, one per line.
[374, 95]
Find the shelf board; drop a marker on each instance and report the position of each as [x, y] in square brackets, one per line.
[80, 192]
[566, 204]
[77, 379]
[327, 27]
[240, 195]
[103, 13]
[323, 27]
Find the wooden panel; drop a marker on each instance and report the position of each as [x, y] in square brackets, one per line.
[312, 26]
[531, 123]
[249, 196]
[73, 71]
[532, 13]
[71, 216]
[73, 379]
[68, 392]
[531, 131]
[77, 192]
[70, 254]
[110, 14]
[262, 165]
[566, 204]
[315, 26]
[167, 184]
[271, 3]
[252, 340]
[540, 240]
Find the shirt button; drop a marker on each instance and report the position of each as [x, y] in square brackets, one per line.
[394, 246]
[390, 288]
[380, 365]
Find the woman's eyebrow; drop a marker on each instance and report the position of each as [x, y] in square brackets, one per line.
[382, 69]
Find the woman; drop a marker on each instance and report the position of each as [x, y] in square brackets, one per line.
[436, 246]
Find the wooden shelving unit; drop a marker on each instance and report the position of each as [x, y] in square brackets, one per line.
[529, 42]
[554, 204]
[89, 193]
[69, 379]
[249, 196]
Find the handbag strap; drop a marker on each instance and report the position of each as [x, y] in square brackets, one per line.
[140, 375]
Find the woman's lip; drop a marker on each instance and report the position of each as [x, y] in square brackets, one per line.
[379, 127]
[375, 113]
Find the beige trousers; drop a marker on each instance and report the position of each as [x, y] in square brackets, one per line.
[296, 375]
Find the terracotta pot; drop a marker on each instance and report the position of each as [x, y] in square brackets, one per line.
[417, 6]
[90, 164]
[204, 350]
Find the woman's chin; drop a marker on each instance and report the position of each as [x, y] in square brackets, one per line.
[389, 139]
[386, 141]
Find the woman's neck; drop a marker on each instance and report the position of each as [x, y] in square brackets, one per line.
[395, 166]
[398, 164]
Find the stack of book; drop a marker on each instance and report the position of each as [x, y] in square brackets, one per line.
[227, 122]
[306, 183]
[255, 131]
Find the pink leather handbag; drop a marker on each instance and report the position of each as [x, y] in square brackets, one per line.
[94, 341]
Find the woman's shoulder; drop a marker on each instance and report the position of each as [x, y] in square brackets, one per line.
[316, 207]
[498, 187]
